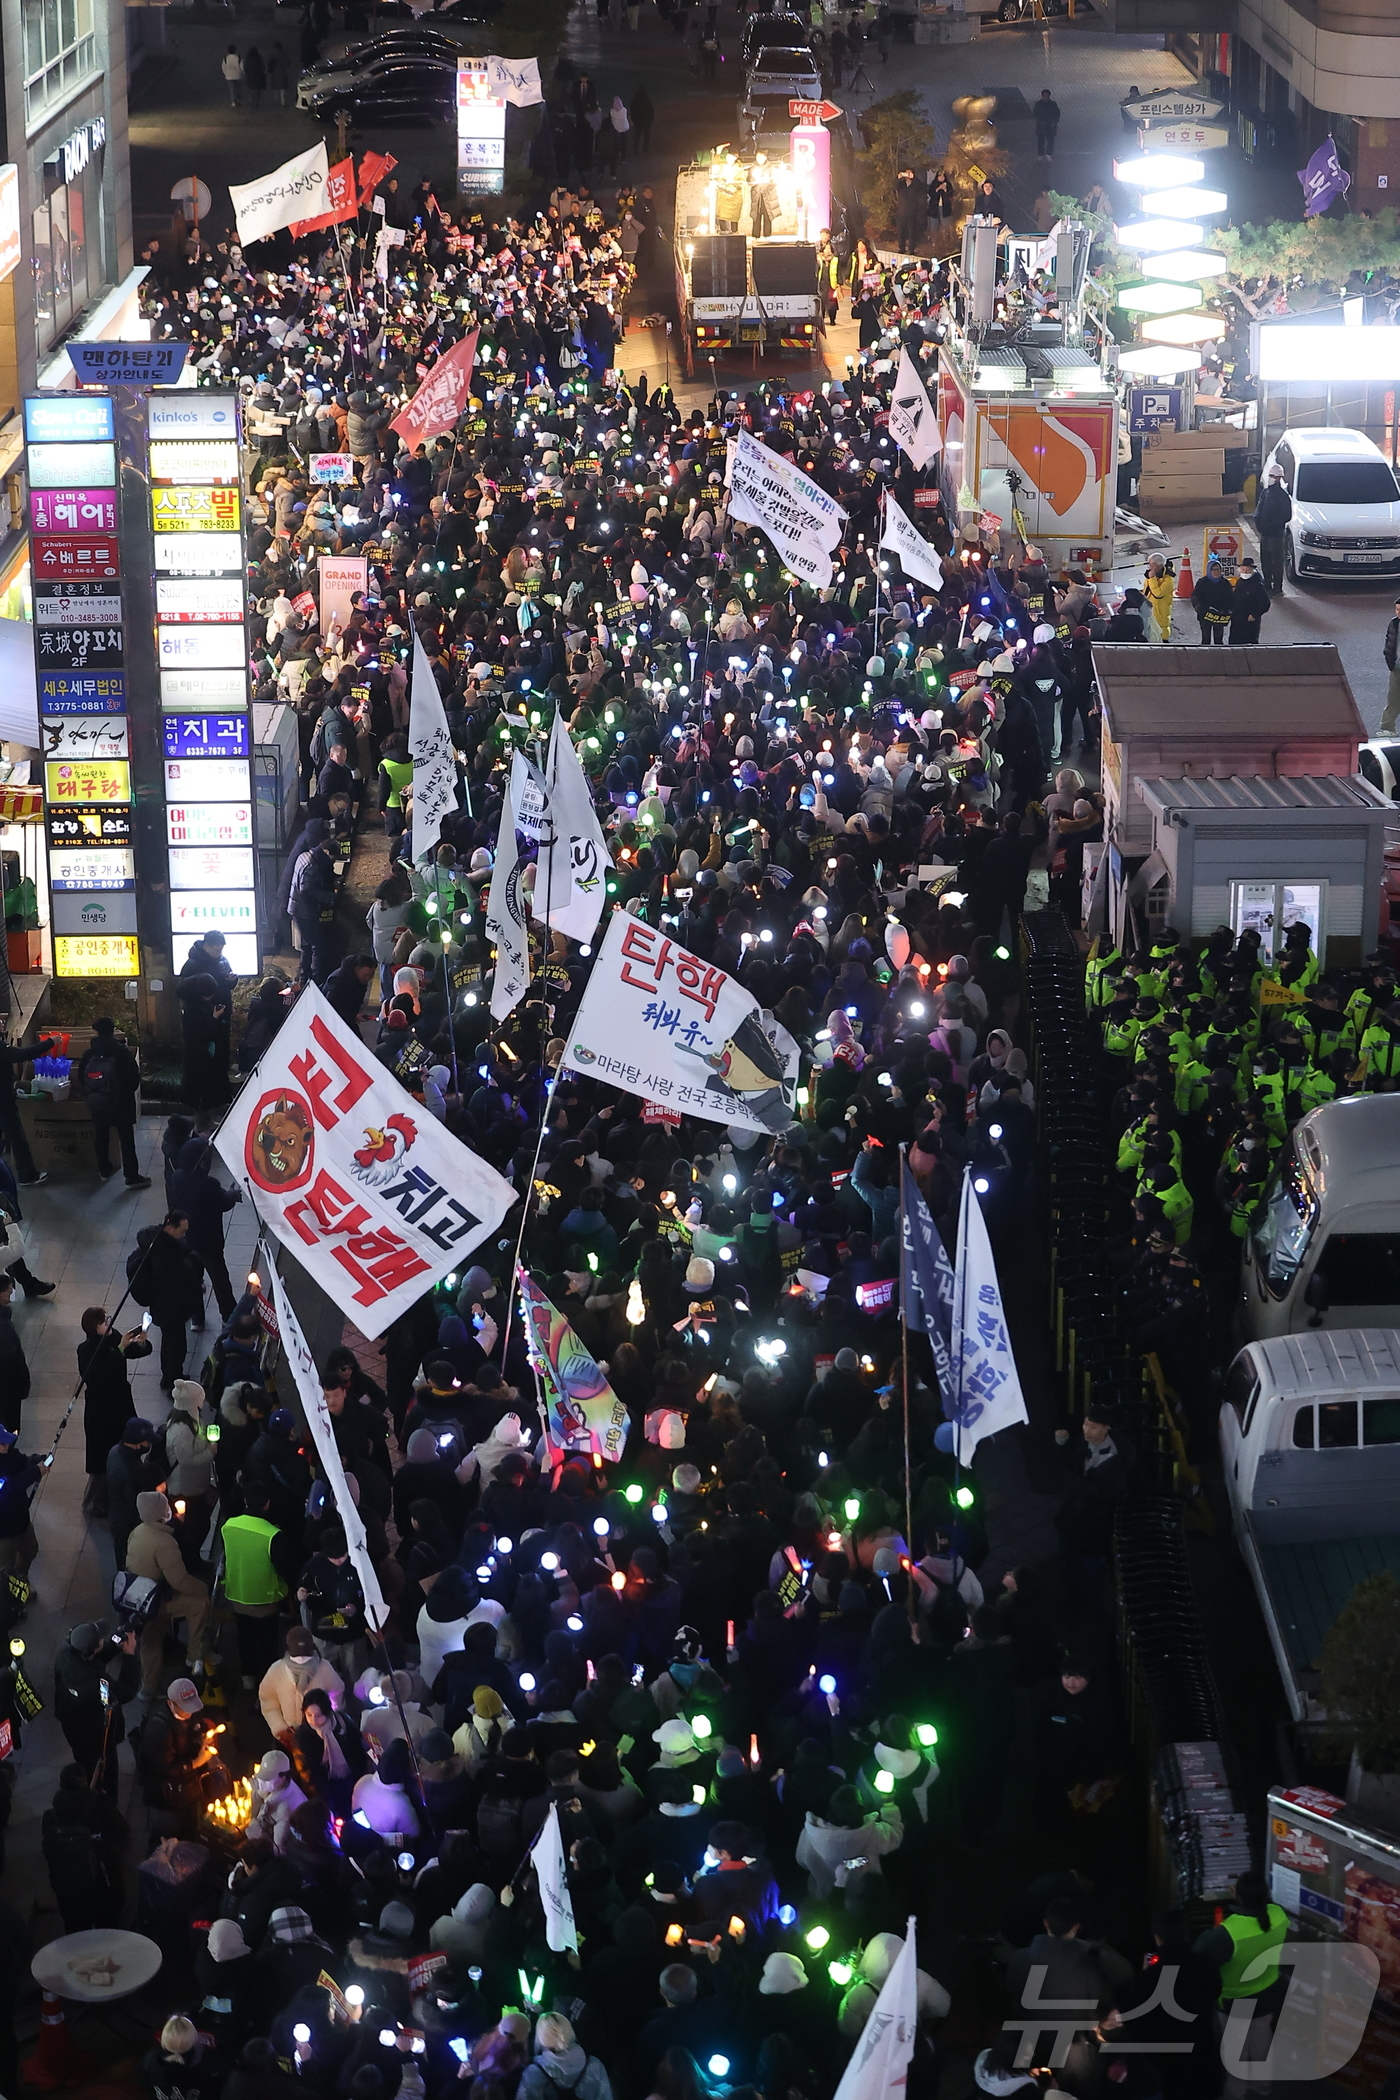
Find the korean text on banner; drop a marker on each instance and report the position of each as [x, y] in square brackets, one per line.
[658, 1021]
[913, 421]
[912, 551]
[571, 874]
[505, 916]
[583, 1413]
[515, 80]
[801, 520]
[441, 398]
[879, 2064]
[926, 1281]
[296, 190]
[430, 748]
[373, 1196]
[341, 202]
[318, 1421]
[986, 1384]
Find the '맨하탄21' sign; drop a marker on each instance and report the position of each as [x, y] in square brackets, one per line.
[373, 1196]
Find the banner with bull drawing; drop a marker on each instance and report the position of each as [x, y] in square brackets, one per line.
[373, 1196]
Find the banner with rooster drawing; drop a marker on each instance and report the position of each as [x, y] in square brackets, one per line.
[583, 1413]
[373, 1196]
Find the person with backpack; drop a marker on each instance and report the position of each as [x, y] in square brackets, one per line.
[84, 1837]
[562, 2066]
[94, 1675]
[103, 1357]
[110, 1079]
[164, 1274]
[199, 1192]
[153, 1550]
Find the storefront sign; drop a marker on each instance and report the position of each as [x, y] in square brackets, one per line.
[79, 648]
[92, 868]
[95, 555]
[127, 364]
[209, 823]
[61, 695]
[211, 868]
[201, 689]
[90, 780]
[86, 736]
[193, 912]
[218, 600]
[481, 130]
[198, 553]
[67, 419]
[195, 460]
[79, 148]
[95, 955]
[1154, 408]
[111, 911]
[89, 826]
[82, 603]
[195, 510]
[9, 219]
[192, 414]
[201, 648]
[206, 780]
[206, 736]
[68, 510]
[72, 466]
[331, 469]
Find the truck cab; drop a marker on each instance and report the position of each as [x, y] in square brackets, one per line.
[1310, 1445]
[1324, 1250]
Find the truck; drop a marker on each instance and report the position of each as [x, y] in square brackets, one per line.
[734, 291]
[1310, 1444]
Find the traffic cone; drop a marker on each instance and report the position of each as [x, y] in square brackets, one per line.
[55, 2062]
[1185, 582]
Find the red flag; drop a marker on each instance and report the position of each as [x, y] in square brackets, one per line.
[442, 396]
[340, 188]
[373, 168]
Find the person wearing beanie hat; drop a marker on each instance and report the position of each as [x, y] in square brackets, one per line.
[782, 1975]
[103, 1358]
[395, 1701]
[479, 1736]
[93, 1680]
[286, 1683]
[152, 1550]
[461, 1932]
[130, 1473]
[224, 1975]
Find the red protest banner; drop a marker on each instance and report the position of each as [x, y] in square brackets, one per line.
[442, 396]
[373, 169]
[340, 188]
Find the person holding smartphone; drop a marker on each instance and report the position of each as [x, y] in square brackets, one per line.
[19, 1477]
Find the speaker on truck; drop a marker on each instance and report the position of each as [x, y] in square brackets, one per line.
[718, 268]
[787, 269]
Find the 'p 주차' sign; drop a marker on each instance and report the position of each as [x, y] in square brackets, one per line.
[369, 1191]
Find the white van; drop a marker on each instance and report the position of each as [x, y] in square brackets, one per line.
[1346, 504]
[1325, 1249]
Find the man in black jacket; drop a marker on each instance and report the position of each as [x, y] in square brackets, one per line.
[14, 1366]
[130, 1473]
[1211, 602]
[26, 1173]
[198, 1190]
[93, 1677]
[172, 1281]
[1392, 692]
[312, 910]
[110, 1079]
[1250, 603]
[1271, 515]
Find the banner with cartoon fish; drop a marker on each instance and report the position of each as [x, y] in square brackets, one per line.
[658, 1021]
[375, 1198]
[583, 1413]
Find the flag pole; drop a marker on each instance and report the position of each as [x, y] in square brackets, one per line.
[879, 548]
[904, 1385]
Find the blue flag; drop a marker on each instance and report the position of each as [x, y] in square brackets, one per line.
[926, 1282]
[1324, 179]
[987, 1387]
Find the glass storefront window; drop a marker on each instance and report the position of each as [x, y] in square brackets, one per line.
[68, 260]
[43, 279]
[60, 54]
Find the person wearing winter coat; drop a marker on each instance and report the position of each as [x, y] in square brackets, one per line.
[276, 1798]
[561, 2066]
[363, 424]
[153, 1550]
[1249, 603]
[841, 1847]
[182, 2066]
[1212, 601]
[1272, 512]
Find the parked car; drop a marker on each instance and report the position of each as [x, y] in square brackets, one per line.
[1346, 505]
[404, 91]
[773, 32]
[411, 41]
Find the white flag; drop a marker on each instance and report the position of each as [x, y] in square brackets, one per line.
[313, 1405]
[505, 916]
[571, 882]
[801, 520]
[547, 1858]
[986, 1385]
[515, 80]
[296, 190]
[430, 748]
[530, 795]
[879, 2063]
[913, 552]
[913, 421]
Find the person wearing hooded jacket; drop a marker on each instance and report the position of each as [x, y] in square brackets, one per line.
[562, 2066]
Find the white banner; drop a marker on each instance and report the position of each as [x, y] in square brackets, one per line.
[571, 877]
[296, 190]
[505, 916]
[516, 80]
[339, 576]
[530, 796]
[913, 552]
[547, 1858]
[313, 1405]
[430, 748]
[879, 2063]
[371, 1193]
[986, 1384]
[661, 1022]
[801, 520]
[913, 418]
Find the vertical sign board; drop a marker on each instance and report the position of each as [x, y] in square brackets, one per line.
[79, 659]
[202, 656]
[481, 131]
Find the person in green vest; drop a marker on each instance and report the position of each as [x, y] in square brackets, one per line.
[1245, 1948]
[261, 1563]
[1297, 966]
[1120, 1027]
[1322, 1027]
[1162, 1179]
[395, 778]
[1100, 974]
[1366, 1002]
[1264, 1084]
[1380, 1051]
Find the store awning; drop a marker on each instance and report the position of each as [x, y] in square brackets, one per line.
[21, 805]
